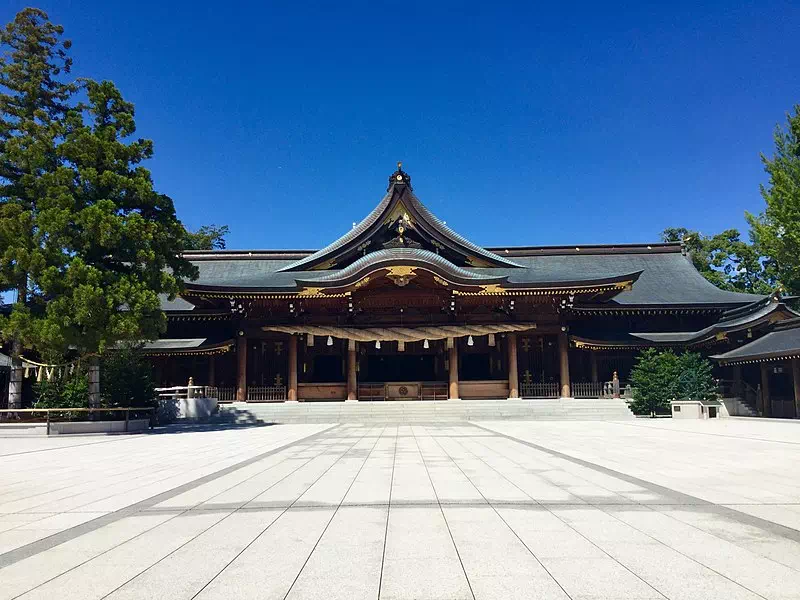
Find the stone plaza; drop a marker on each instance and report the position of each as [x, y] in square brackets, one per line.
[560, 509]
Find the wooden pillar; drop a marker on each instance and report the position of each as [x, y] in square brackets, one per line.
[158, 368]
[766, 403]
[352, 380]
[453, 361]
[737, 381]
[513, 368]
[563, 360]
[212, 370]
[593, 364]
[796, 381]
[292, 392]
[241, 368]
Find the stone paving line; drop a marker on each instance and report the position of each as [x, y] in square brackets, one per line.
[410, 511]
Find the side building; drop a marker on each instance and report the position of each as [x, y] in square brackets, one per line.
[403, 307]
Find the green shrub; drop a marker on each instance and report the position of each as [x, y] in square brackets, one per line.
[660, 376]
[696, 381]
[126, 379]
[70, 391]
[655, 379]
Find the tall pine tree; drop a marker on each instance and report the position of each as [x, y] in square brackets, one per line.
[85, 238]
[33, 106]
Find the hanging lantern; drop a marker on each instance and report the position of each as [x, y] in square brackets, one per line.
[491, 339]
[330, 341]
[470, 341]
[401, 346]
[310, 339]
[377, 344]
[426, 345]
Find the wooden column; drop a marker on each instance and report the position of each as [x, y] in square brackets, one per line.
[563, 361]
[513, 368]
[212, 370]
[796, 381]
[737, 381]
[593, 364]
[766, 403]
[241, 368]
[292, 392]
[352, 378]
[453, 361]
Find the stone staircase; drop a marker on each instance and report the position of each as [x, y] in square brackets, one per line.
[738, 407]
[445, 411]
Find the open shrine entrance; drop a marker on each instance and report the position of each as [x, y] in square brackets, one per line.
[408, 371]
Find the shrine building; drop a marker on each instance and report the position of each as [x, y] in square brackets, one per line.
[403, 307]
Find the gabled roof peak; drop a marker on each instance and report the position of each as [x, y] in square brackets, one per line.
[400, 221]
[399, 177]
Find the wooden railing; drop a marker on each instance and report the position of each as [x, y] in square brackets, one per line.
[539, 390]
[223, 394]
[587, 389]
[371, 391]
[433, 391]
[182, 392]
[16, 412]
[266, 393]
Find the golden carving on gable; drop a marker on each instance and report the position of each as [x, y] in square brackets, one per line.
[492, 288]
[440, 281]
[401, 275]
[310, 291]
[361, 282]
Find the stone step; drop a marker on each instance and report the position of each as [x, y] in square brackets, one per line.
[426, 411]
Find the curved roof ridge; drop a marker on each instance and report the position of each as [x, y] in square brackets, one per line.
[401, 255]
[458, 238]
[350, 236]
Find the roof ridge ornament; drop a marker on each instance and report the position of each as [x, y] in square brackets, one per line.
[399, 177]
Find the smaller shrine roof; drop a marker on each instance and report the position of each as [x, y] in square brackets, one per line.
[781, 343]
[187, 346]
[766, 309]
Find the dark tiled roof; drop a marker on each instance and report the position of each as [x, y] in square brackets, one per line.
[405, 256]
[185, 346]
[667, 277]
[736, 319]
[782, 342]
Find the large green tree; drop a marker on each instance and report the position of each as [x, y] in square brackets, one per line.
[207, 237]
[726, 260]
[776, 231]
[34, 101]
[86, 239]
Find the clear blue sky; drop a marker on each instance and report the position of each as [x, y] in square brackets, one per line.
[520, 123]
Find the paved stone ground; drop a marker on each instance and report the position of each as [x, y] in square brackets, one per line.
[579, 510]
